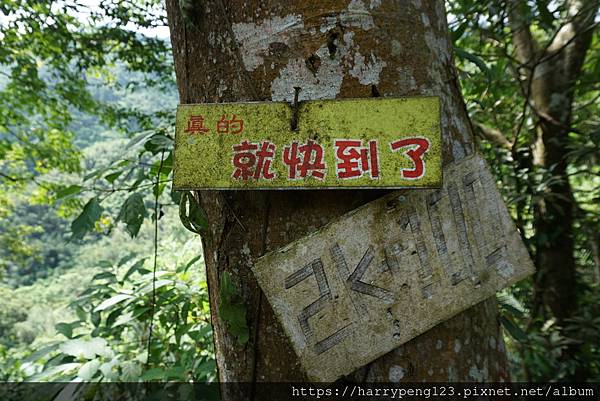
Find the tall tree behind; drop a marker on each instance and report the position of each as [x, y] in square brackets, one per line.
[546, 150]
[244, 50]
[550, 73]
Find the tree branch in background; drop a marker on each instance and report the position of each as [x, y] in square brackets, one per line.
[575, 36]
[525, 44]
[493, 135]
[8, 177]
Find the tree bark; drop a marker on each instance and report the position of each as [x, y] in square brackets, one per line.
[243, 50]
[552, 75]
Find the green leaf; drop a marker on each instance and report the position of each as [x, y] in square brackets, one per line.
[181, 330]
[459, 31]
[513, 329]
[189, 264]
[191, 214]
[135, 267]
[68, 191]
[42, 352]
[232, 309]
[164, 167]
[126, 259]
[87, 349]
[176, 195]
[112, 301]
[132, 213]
[105, 263]
[113, 176]
[158, 284]
[104, 276]
[66, 329]
[546, 17]
[54, 371]
[86, 221]
[475, 60]
[96, 318]
[129, 316]
[138, 138]
[89, 369]
[157, 143]
[206, 368]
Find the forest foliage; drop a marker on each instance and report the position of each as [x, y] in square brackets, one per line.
[100, 280]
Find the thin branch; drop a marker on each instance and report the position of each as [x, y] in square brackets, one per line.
[132, 188]
[493, 135]
[13, 179]
[580, 18]
[551, 52]
[585, 105]
[156, 210]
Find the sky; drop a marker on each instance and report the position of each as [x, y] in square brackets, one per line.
[159, 32]
[94, 5]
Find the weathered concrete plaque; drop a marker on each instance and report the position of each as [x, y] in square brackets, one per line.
[392, 269]
[351, 143]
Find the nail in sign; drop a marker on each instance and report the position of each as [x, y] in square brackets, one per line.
[392, 269]
[350, 143]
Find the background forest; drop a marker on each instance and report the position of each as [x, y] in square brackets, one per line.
[101, 269]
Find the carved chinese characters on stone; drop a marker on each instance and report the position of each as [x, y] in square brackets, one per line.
[392, 269]
[352, 143]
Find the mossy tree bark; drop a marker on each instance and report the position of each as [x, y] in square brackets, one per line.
[242, 50]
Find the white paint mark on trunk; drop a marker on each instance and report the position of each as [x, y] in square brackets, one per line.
[374, 4]
[367, 73]
[221, 88]
[324, 84]
[255, 39]
[357, 16]
[328, 23]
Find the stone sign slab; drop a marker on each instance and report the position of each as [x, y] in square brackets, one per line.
[348, 143]
[392, 269]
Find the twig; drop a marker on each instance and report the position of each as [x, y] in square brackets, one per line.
[156, 207]
[8, 177]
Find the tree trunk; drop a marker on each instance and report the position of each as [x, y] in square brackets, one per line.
[552, 75]
[244, 50]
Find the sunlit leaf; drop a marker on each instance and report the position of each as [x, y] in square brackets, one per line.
[85, 222]
[112, 301]
[132, 213]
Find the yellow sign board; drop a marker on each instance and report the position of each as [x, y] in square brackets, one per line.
[352, 143]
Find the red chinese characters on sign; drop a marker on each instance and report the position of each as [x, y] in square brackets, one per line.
[354, 160]
[195, 125]
[253, 160]
[304, 160]
[233, 125]
[417, 147]
[230, 126]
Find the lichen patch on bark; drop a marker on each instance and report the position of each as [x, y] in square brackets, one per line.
[256, 39]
